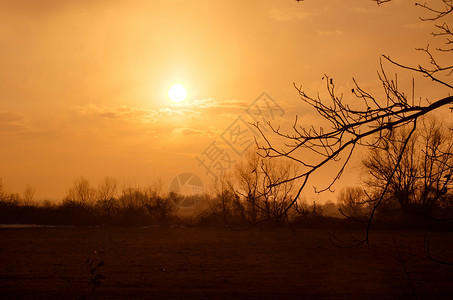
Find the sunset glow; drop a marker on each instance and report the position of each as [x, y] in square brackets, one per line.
[193, 149]
[101, 88]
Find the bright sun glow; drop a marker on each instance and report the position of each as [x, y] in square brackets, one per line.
[177, 93]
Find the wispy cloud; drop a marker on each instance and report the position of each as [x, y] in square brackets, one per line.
[285, 15]
[419, 25]
[215, 107]
[134, 114]
[125, 113]
[209, 132]
[330, 32]
[11, 122]
[216, 103]
[361, 10]
[163, 123]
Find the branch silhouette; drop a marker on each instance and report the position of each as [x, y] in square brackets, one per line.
[367, 123]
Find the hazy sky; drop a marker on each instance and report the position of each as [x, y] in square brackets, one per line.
[83, 84]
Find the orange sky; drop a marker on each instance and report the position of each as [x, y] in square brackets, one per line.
[83, 84]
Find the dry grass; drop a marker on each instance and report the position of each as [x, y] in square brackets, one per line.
[157, 263]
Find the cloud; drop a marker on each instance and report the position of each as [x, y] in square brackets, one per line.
[362, 10]
[329, 32]
[11, 122]
[227, 103]
[109, 115]
[188, 119]
[210, 132]
[218, 108]
[131, 123]
[419, 25]
[180, 111]
[123, 112]
[134, 114]
[10, 117]
[285, 15]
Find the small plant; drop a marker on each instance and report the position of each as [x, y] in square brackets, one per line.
[96, 277]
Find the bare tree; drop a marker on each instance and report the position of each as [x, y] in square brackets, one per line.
[138, 205]
[420, 182]
[247, 182]
[369, 122]
[225, 201]
[352, 203]
[6, 197]
[276, 198]
[155, 188]
[107, 188]
[28, 195]
[132, 198]
[107, 196]
[3, 191]
[160, 208]
[81, 193]
[253, 181]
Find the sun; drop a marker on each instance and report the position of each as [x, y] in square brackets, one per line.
[177, 93]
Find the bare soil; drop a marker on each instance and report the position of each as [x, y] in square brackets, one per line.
[207, 263]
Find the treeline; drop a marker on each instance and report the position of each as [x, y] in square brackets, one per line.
[87, 205]
[104, 205]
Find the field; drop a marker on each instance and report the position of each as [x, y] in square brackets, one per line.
[202, 263]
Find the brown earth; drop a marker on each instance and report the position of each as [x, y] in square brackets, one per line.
[202, 263]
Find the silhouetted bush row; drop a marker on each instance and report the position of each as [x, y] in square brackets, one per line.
[76, 213]
[228, 206]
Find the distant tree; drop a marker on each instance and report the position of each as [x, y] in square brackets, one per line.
[155, 189]
[14, 199]
[146, 206]
[277, 198]
[131, 198]
[107, 189]
[8, 198]
[330, 209]
[302, 208]
[422, 177]
[3, 191]
[28, 195]
[78, 206]
[81, 192]
[246, 183]
[252, 181]
[107, 196]
[352, 203]
[160, 207]
[225, 200]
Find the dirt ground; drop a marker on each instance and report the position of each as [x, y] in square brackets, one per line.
[202, 263]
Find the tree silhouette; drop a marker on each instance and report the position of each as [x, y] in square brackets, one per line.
[420, 183]
[81, 192]
[28, 195]
[368, 123]
[252, 181]
[352, 203]
[107, 196]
